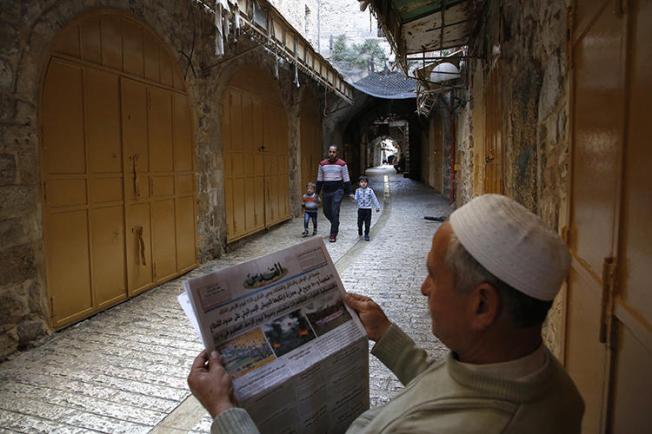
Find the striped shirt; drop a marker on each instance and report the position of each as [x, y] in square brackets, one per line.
[310, 202]
[333, 176]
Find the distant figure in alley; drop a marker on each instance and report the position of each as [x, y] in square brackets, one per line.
[493, 270]
[333, 179]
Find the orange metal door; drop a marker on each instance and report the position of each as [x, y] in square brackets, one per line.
[597, 140]
[632, 307]
[256, 177]
[118, 175]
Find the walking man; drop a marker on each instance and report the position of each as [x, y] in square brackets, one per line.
[333, 178]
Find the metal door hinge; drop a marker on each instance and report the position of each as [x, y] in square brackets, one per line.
[609, 266]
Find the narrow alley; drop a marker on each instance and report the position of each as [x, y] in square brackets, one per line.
[147, 142]
[124, 370]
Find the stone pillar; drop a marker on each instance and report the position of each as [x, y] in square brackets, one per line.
[294, 151]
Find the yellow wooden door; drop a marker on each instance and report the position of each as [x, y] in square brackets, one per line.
[161, 182]
[493, 152]
[631, 395]
[106, 204]
[598, 79]
[184, 184]
[256, 176]
[117, 166]
[136, 167]
[65, 193]
[276, 165]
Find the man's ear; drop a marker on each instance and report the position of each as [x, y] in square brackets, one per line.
[485, 305]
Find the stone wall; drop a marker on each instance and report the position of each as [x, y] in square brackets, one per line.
[27, 30]
[526, 44]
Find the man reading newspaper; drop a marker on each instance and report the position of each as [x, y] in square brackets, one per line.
[493, 271]
[292, 355]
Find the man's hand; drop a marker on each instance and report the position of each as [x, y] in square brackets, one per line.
[377, 209]
[210, 383]
[372, 316]
[352, 196]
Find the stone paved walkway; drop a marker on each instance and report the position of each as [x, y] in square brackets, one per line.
[124, 370]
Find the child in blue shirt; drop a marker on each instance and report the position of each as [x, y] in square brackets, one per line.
[365, 198]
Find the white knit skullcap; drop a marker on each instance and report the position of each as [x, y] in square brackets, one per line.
[513, 244]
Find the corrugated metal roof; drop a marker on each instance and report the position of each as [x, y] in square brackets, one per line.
[387, 85]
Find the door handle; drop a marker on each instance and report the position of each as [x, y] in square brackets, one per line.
[134, 160]
[140, 245]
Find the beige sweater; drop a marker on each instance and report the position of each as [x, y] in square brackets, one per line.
[447, 397]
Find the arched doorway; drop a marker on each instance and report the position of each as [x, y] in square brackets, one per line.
[255, 136]
[117, 166]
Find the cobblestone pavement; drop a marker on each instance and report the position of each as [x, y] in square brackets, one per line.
[124, 370]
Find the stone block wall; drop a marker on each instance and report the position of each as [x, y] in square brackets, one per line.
[527, 42]
[27, 30]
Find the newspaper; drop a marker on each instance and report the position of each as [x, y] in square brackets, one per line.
[297, 354]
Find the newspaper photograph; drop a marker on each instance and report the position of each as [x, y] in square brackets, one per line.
[298, 356]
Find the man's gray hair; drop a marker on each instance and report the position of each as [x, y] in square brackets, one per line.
[467, 271]
[524, 310]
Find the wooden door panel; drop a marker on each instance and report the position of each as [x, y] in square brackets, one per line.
[597, 139]
[106, 189]
[185, 229]
[160, 130]
[151, 57]
[633, 386]
[229, 209]
[69, 279]
[110, 28]
[134, 126]
[108, 254]
[239, 201]
[596, 151]
[66, 192]
[63, 119]
[139, 251]
[133, 50]
[102, 106]
[636, 248]
[164, 249]
[182, 134]
[632, 377]
[90, 40]
[250, 205]
[260, 202]
[586, 357]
